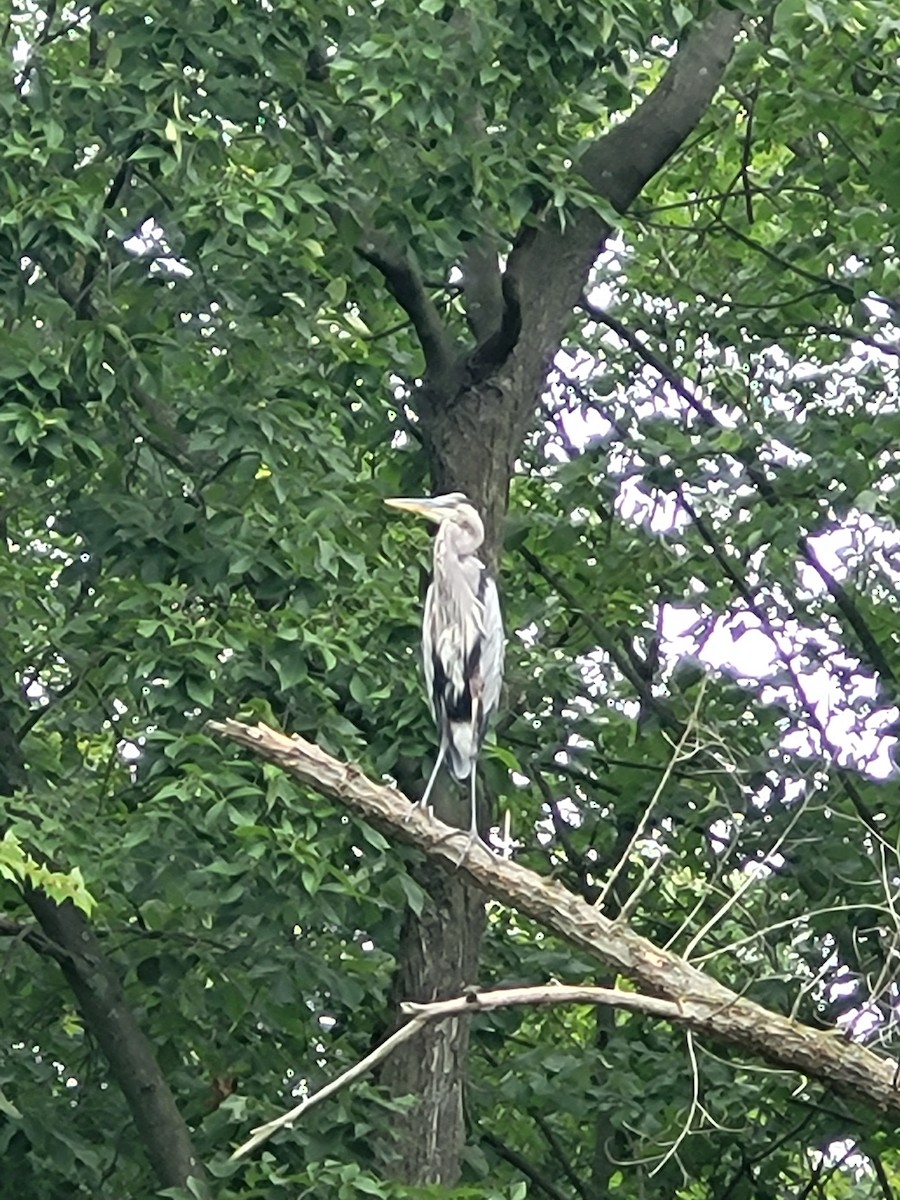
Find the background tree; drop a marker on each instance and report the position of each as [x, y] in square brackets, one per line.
[264, 265]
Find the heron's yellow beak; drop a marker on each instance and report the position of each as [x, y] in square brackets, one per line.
[425, 508]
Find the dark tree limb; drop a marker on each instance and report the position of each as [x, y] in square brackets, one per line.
[118, 185]
[606, 642]
[559, 1152]
[620, 163]
[881, 1175]
[700, 1001]
[65, 934]
[659, 365]
[31, 936]
[473, 424]
[731, 572]
[848, 333]
[405, 284]
[552, 265]
[842, 291]
[845, 605]
[132, 1062]
[482, 287]
[587, 890]
[747, 153]
[495, 349]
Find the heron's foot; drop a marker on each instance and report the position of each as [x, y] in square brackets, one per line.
[419, 806]
[473, 839]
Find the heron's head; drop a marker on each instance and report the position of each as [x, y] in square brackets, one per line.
[453, 509]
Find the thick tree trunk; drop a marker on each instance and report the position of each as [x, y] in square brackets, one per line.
[438, 956]
[471, 440]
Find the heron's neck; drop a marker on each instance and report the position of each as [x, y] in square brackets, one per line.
[456, 569]
[459, 543]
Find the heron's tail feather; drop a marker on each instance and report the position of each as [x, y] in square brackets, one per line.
[462, 749]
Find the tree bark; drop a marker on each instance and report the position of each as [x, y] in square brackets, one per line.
[440, 946]
[439, 949]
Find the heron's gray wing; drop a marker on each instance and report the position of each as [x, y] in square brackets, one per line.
[492, 649]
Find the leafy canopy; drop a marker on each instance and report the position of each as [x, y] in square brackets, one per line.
[206, 393]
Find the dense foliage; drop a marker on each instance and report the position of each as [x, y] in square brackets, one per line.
[207, 390]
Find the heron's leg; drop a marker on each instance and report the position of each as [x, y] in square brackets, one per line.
[442, 754]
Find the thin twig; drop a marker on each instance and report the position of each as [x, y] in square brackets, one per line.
[695, 1103]
[677, 756]
[563, 831]
[263, 1132]
[751, 879]
[776, 925]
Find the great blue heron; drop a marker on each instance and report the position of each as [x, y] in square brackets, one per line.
[462, 639]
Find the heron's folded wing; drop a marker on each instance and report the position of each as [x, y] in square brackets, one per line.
[492, 650]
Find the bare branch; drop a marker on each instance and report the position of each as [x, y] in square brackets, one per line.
[263, 1132]
[684, 992]
[678, 754]
[462, 1006]
[687, 1127]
